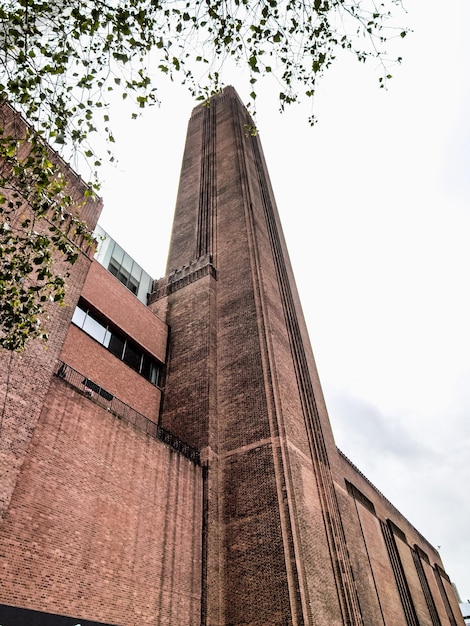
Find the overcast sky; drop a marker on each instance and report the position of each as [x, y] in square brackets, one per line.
[374, 202]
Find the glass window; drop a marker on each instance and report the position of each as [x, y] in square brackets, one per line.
[113, 267]
[94, 328]
[117, 254]
[116, 345]
[107, 338]
[136, 272]
[122, 266]
[133, 285]
[132, 356]
[154, 377]
[150, 369]
[126, 263]
[146, 367]
[79, 316]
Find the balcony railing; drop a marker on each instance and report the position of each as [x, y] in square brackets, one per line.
[123, 411]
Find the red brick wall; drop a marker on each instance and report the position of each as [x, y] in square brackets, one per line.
[370, 563]
[95, 362]
[105, 522]
[454, 605]
[413, 583]
[384, 580]
[24, 378]
[438, 600]
[380, 565]
[189, 397]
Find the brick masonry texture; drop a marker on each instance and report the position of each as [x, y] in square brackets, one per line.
[105, 523]
[107, 295]
[91, 359]
[276, 527]
[104, 292]
[24, 379]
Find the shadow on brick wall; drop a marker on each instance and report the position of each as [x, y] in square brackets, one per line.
[13, 616]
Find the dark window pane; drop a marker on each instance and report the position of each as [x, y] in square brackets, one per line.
[113, 267]
[132, 356]
[116, 345]
[150, 369]
[154, 374]
[145, 367]
[120, 272]
[123, 276]
[133, 285]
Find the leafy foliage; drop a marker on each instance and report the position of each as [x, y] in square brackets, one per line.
[63, 63]
[61, 60]
[36, 233]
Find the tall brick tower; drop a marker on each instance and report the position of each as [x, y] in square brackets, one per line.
[242, 386]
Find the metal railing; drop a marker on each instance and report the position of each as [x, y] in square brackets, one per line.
[123, 411]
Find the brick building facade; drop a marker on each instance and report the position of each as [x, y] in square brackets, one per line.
[172, 461]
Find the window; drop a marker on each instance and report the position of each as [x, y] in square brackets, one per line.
[122, 266]
[96, 330]
[123, 348]
[132, 356]
[117, 345]
[149, 369]
[123, 275]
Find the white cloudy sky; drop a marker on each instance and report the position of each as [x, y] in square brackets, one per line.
[375, 206]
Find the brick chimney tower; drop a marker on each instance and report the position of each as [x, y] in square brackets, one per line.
[241, 385]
